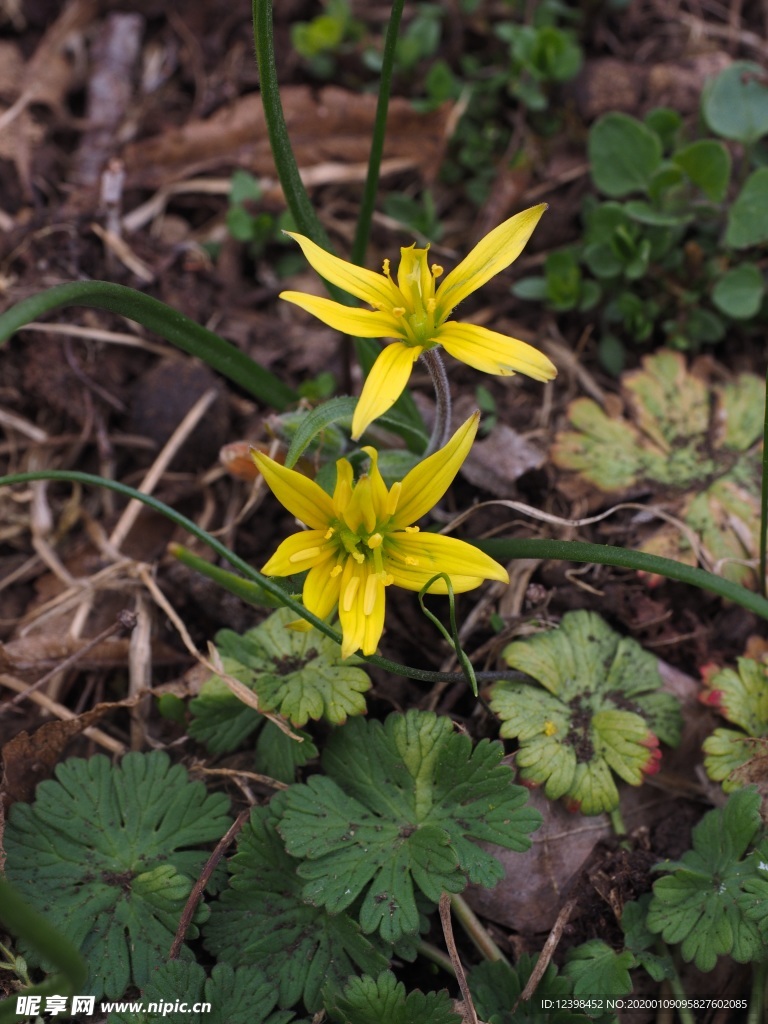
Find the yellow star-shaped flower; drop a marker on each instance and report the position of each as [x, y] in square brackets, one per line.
[415, 313]
[362, 539]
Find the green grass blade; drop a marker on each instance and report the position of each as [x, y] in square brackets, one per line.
[176, 328]
[604, 554]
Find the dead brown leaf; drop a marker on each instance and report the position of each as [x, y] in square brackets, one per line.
[30, 758]
[330, 125]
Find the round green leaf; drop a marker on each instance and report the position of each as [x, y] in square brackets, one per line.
[708, 164]
[624, 154]
[735, 105]
[748, 217]
[739, 292]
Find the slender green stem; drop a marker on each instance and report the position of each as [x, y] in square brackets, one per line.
[617, 822]
[288, 172]
[163, 320]
[379, 134]
[686, 1015]
[472, 925]
[437, 956]
[604, 554]
[264, 582]
[757, 997]
[441, 430]
[285, 162]
[764, 497]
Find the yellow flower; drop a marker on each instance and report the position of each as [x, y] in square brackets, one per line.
[362, 539]
[415, 313]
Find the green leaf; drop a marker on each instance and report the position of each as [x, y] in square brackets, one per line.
[623, 153]
[739, 292]
[753, 902]
[748, 216]
[243, 996]
[645, 213]
[708, 164]
[741, 696]
[313, 424]
[693, 442]
[190, 337]
[594, 967]
[496, 988]
[603, 711]
[300, 674]
[640, 940]
[402, 807]
[263, 918]
[735, 105]
[383, 1000]
[105, 851]
[700, 903]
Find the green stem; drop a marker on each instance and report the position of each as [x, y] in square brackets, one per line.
[686, 1015]
[285, 162]
[379, 134]
[437, 956]
[163, 320]
[764, 496]
[477, 934]
[757, 997]
[293, 187]
[605, 554]
[441, 430]
[264, 582]
[617, 822]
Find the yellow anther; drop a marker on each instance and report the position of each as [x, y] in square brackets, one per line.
[374, 541]
[335, 571]
[437, 270]
[369, 601]
[359, 557]
[385, 267]
[398, 311]
[329, 533]
[412, 529]
[349, 593]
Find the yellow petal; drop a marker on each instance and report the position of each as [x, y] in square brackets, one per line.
[379, 491]
[413, 558]
[491, 255]
[372, 288]
[385, 383]
[321, 590]
[298, 552]
[301, 496]
[363, 323]
[492, 352]
[342, 492]
[426, 483]
[361, 608]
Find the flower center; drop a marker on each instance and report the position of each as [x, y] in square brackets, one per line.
[414, 301]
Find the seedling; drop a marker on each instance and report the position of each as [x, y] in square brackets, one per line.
[741, 696]
[601, 711]
[693, 443]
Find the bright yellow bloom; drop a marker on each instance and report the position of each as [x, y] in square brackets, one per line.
[362, 539]
[415, 313]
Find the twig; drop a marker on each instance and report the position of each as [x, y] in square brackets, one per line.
[197, 889]
[470, 1013]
